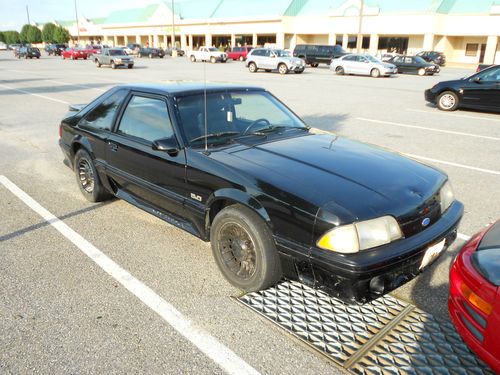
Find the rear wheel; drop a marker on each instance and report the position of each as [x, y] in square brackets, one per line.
[97, 63]
[72, 57]
[314, 65]
[252, 67]
[339, 70]
[282, 69]
[244, 250]
[113, 65]
[375, 73]
[421, 72]
[213, 60]
[447, 101]
[242, 58]
[150, 55]
[87, 178]
[130, 66]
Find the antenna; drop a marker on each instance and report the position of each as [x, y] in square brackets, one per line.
[205, 103]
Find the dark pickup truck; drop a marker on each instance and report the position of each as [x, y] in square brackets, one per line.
[315, 54]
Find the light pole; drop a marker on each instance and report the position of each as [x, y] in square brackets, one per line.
[359, 43]
[28, 13]
[77, 26]
[173, 25]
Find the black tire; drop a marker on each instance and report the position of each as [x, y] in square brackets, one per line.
[244, 250]
[282, 69]
[314, 65]
[268, 70]
[97, 63]
[87, 178]
[339, 71]
[375, 73]
[447, 101]
[193, 58]
[113, 65]
[130, 66]
[252, 67]
[299, 71]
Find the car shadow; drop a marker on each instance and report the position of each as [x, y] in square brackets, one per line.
[326, 122]
[43, 224]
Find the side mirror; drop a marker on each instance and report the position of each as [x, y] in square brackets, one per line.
[168, 145]
[476, 79]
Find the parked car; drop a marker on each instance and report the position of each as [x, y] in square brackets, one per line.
[389, 55]
[95, 49]
[55, 49]
[362, 65]
[239, 53]
[414, 64]
[15, 48]
[478, 91]
[131, 48]
[482, 67]
[179, 51]
[274, 198]
[28, 53]
[151, 52]
[211, 54]
[3, 46]
[114, 57]
[274, 59]
[318, 54]
[433, 57]
[75, 53]
[474, 302]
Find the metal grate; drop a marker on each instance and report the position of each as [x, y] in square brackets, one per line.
[385, 336]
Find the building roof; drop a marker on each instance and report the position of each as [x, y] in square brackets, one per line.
[134, 15]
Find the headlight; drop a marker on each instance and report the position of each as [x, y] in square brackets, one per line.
[364, 235]
[446, 196]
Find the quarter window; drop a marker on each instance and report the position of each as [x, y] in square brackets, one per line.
[146, 118]
[101, 117]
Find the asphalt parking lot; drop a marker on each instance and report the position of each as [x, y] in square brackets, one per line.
[62, 311]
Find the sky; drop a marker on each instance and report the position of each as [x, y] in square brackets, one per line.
[13, 12]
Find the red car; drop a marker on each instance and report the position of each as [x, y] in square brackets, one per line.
[75, 53]
[474, 302]
[239, 53]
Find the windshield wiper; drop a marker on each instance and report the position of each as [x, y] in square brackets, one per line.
[273, 128]
[213, 135]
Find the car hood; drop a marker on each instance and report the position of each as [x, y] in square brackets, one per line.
[366, 181]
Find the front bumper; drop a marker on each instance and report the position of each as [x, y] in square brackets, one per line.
[430, 96]
[364, 276]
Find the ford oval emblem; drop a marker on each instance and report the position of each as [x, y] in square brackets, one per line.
[426, 222]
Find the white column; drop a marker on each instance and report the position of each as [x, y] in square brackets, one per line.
[345, 41]
[138, 39]
[254, 40]
[491, 50]
[115, 40]
[233, 40]
[293, 42]
[332, 39]
[190, 42]
[150, 40]
[428, 42]
[280, 40]
[172, 39]
[183, 42]
[156, 41]
[373, 44]
[208, 40]
[126, 39]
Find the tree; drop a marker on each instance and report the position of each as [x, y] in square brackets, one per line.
[24, 33]
[2, 37]
[61, 35]
[11, 37]
[34, 35]
[48, 32]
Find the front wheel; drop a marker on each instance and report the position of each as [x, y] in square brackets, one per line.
[113, 65]
[130, 66]
[375, 73]
[252, 67]
[97, 63]
[242, 58]
[447, 101]
[421, 72]
[213, 60]
[87, 178]
[193, 59]
[282, 69]
[243, 249]
[339, 70]
[314, 65]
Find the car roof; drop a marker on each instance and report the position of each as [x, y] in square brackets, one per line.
[187, 88]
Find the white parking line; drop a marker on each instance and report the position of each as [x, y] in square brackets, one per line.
[437, 112]
[33, 94]
[462, 236]
[207, 344]
[429, 129]
[453, 164]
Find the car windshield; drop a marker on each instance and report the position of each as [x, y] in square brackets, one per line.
[372, 58]
[420, 60]
[282, 53]
[213, 49]
[233, 114]
[116, 52]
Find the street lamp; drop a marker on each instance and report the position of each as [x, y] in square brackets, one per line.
[359, 43]
[77, 26]
[173, 25]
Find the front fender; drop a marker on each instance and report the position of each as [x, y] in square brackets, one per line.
[237, 196]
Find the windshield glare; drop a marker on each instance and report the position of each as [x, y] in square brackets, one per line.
[231, 115]
[213, 49]
[282, 53]
[116, 52]
[372, 59]
[420, 60]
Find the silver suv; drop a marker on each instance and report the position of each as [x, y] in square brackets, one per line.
[272, 59]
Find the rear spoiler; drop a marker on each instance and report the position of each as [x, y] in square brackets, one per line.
[76, 107]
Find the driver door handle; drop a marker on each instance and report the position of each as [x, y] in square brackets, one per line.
[113, 146]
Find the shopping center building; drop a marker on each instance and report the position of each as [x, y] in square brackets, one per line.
[467, 31]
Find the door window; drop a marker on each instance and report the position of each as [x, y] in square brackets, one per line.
[146, 118]
[101, 117]
[491, 75]
[408, 60]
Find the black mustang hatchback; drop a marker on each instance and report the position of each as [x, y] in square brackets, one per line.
[237, 168]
